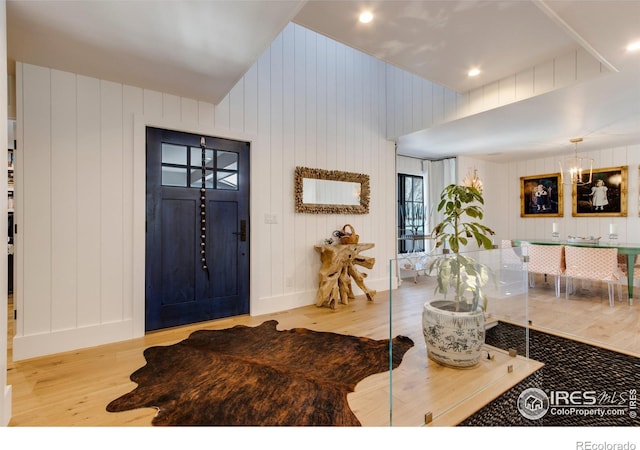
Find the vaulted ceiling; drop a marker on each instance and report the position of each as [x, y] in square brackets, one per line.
[200, 49]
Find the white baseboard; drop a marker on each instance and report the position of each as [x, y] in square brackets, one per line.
[35, 345]
[279, 303]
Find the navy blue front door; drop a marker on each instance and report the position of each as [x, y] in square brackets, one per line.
[197, 246]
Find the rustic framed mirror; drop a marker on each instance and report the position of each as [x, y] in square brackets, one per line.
[322, 191]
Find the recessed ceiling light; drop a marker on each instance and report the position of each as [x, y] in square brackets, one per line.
[634, 46]
[474, 72]
[366, 17]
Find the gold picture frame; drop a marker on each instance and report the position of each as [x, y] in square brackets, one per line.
[605, 196]
[353, 187]
[541, 196]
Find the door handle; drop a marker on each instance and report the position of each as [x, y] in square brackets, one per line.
[243, 231]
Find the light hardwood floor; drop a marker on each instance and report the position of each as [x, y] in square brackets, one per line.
[73, 388]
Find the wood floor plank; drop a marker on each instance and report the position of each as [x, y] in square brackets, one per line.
[73, 388]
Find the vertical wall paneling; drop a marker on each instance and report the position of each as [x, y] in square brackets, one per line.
[476, 100]
[438, 104]
[450, 105]
[341, 108]
[369, 144]
[250, 97]
[350, 125]
[524, 84]
[427, 105]
[37, 201]
[412, 106]
[491, 96]
[394, 102]
[138, 215]
[331, 150]
[543, 77]
[311, 98]
[89, 218]
[507, 90]
[408, 111]
[565, 70]
[222, 113]
[261, 170]
[586, 65]
[517, 227]
[417, 105]
[171, 107]
[132, 106]
[153, 104]
[295, 38]
[64, 205]
[307, 101]
[206, 115]
[276, 169]
[236, 106]
[309, 40]
[321, 101]
[188, 110]
[321, 119]
[111, 181]
[288, 218]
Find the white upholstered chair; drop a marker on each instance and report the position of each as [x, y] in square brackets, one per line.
[595, 264]
[546, 260]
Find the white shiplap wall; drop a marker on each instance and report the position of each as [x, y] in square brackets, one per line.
[416, 103]
[80, 202]
[502, 197]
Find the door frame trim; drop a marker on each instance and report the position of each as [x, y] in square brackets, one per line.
[140, 124]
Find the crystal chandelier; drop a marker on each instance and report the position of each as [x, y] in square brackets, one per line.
[473, 180]
[575, 169]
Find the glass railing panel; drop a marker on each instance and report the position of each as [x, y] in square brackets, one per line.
[585, 313]
[426, 388]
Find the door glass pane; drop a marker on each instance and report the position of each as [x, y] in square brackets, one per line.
[174, 176]
[408, 191]
[196, 157]
[417, 189]
[196, 178]
[227, 160]
[174, 154]
[227, 180]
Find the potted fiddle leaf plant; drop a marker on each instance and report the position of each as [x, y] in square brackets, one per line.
[453, 321]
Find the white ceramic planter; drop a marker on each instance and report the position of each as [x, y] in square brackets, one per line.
[453, 339]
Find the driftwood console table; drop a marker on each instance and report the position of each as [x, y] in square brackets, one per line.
[337, 271]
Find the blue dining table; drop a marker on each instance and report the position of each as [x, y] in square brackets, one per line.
[624, 248]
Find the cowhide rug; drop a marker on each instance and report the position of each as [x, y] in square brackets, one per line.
[253, 376]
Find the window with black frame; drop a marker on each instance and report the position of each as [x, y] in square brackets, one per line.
[411, 213]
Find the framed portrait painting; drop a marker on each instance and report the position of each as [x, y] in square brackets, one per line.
[541, 196]
[605, 196]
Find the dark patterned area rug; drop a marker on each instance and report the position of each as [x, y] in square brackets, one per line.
[258, 376]
[604, 383]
